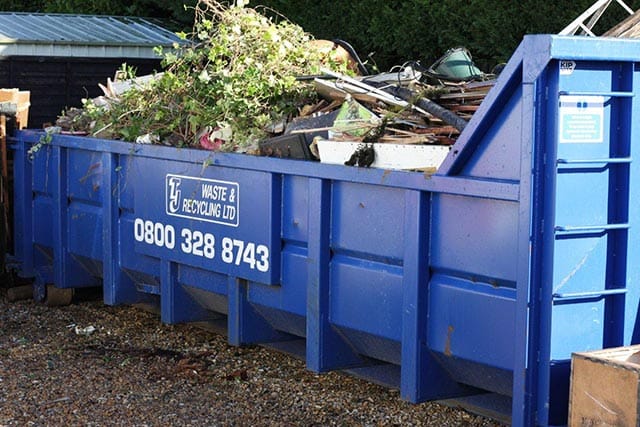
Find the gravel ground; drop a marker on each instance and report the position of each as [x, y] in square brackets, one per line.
[134, 371]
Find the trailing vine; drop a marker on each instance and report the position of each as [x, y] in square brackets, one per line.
[45, 139]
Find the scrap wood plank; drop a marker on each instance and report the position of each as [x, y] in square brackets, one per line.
[462, 95]
[464, 108]
[16, 103]
[439, 130]
[4, 178]
[629, 28]
[445, 140]
[408, 139]
[401, 136]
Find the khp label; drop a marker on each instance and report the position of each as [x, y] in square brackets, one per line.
[203, 199]
[567, 67]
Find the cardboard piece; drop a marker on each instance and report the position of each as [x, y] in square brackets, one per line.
[604, 387]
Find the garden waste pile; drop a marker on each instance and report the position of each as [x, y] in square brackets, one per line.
[245, 82]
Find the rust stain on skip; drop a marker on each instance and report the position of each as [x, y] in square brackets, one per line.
[91, 171]
[447, 344]
[429, 172]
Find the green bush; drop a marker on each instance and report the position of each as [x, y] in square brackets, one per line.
[424, 30]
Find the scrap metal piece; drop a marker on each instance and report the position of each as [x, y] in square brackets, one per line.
[426, 104]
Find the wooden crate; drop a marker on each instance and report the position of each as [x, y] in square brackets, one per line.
[605, 386]
[22, 100]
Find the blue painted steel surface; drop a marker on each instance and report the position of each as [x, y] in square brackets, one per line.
[475, 283]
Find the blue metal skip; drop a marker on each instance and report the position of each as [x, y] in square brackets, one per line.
[475, 283]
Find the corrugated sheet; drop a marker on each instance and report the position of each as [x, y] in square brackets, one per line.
[80, 35]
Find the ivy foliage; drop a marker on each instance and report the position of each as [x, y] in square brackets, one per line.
[237, 72]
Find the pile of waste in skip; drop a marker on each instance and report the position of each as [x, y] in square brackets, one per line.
[242, 82]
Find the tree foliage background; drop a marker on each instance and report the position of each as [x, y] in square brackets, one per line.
[387, 32]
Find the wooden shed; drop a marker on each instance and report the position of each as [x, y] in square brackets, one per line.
[61, 58]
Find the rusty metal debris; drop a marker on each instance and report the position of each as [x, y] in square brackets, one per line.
[411, 105]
